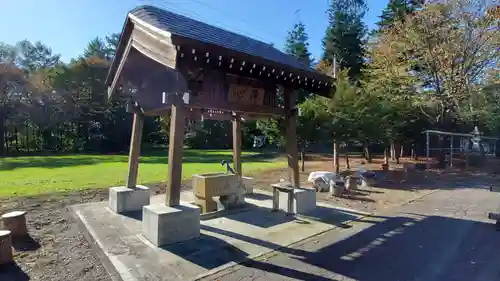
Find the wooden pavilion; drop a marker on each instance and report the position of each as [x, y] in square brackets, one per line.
[174, 65]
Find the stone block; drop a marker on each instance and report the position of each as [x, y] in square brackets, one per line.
[304, 200]
[351, 183]
[228, 187]
[248, 183]
[123, 199]
[163, 225]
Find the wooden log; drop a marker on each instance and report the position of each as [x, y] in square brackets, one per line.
[15, 222]
[237, 145]
[135, 150]
[291, 135]
[5, 247]
[176, 142]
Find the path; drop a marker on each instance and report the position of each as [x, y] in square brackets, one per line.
[443, 236]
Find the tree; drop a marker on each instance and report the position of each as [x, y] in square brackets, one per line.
[296, 45]
[396, 11]
[95, 48]
[13, 87]
[312, 123]
[112, 42]
[454, 44]
[345, 34]
[33, 57]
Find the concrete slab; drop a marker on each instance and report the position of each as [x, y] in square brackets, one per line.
[223, 241]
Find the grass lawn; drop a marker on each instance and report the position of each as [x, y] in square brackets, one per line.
[21, 176]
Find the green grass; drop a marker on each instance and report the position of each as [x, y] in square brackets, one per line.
[24, 176]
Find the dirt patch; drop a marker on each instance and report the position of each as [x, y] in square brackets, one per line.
[396, 186]
[59, 250]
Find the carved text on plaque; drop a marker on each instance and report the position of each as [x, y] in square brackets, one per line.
[244, 94]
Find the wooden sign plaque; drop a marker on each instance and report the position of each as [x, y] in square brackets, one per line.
[244, 94]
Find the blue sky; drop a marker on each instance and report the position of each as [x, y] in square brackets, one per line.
[68, 25]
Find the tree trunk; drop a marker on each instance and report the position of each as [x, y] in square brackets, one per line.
[27, 138]
[6, 138]
[16, 139]
[347, 164]
[402, 150]
[398, 155]
[302, 158]
[336, 161]
[368, 154]
[442, 153]
[393, 150]
[386, 156]
[2, 135]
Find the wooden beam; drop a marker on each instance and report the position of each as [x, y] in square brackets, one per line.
[291, 135]
[231, 62]
[237, 144]
[177, 123]
[135, 150]
[242, 109]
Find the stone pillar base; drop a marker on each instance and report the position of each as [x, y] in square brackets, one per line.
[5, 247]
[304, 200]
[351, 183]
[248, 184]
[163, 225]
[123, 199]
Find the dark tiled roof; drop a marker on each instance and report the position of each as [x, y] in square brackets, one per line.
[199, 31]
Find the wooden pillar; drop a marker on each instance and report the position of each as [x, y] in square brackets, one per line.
[176, 142]
[135, 150]
[291, 135]
[237, 145]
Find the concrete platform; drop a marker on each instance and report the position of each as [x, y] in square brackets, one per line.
[224, 241]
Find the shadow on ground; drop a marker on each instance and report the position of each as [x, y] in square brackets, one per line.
[26, 243]
[216, 252]
[402, 248]
[12, 272]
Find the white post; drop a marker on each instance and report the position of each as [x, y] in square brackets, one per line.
[451, 151]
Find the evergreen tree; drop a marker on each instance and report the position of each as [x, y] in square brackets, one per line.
[95, 48]
[344, 38]
[396, 10]
[296, 43]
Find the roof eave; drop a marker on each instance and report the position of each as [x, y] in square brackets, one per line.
[122, 45]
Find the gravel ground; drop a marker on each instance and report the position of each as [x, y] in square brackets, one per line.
[59, 250]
